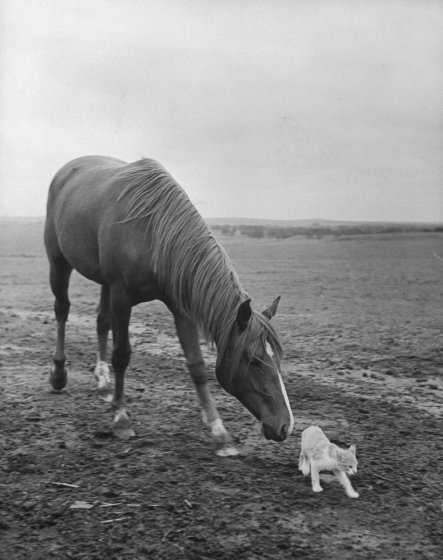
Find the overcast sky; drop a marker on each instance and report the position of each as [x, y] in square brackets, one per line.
[263, 108]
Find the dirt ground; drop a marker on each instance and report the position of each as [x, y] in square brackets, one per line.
[361, 323]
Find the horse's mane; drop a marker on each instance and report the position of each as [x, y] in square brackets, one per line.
[192, 268]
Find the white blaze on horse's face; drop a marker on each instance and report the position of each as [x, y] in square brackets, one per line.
[270, 353]
[261, 390]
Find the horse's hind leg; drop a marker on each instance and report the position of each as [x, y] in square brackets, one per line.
[60, 273]
[120, 314]
[101, 371]
[188, 336]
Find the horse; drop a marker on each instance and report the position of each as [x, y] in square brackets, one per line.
[131, 228]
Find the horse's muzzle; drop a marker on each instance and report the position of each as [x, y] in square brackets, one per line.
[270, 433]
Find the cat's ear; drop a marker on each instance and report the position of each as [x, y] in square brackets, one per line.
[353, 449]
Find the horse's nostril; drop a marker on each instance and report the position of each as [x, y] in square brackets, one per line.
[284, 431]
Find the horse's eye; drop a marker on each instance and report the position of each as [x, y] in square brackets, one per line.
[256, 362]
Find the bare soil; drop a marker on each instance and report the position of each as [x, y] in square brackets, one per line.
[361, 323]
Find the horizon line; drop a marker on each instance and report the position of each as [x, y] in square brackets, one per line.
[229, 219]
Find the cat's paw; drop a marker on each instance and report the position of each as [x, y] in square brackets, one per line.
[353, 494]
[317, 489]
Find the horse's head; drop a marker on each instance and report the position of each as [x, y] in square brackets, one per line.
[249, 369]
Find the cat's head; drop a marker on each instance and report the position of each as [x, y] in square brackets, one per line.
[346, 459]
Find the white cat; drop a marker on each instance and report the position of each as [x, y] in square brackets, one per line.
[319, 454]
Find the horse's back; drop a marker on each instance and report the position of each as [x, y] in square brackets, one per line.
[81, 201]
[84, 174]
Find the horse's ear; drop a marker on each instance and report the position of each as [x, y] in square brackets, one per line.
[270, 311]
[244, 314]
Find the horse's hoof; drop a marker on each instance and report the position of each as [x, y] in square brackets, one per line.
[123, 433]
[122, 427]
[58, 379]
[227, 451]
[105, 394]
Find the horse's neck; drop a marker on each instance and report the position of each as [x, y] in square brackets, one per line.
[223, 312]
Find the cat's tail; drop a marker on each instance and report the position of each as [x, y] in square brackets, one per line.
[303, 464]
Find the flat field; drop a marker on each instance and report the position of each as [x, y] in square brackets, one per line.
[360, 320]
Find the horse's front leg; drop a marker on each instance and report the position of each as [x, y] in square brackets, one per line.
[101, 371]
[121, 314]
[188, 336]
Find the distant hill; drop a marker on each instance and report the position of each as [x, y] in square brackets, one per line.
[269, 223]
[264, 222]
[310, 223]
[282, 229]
